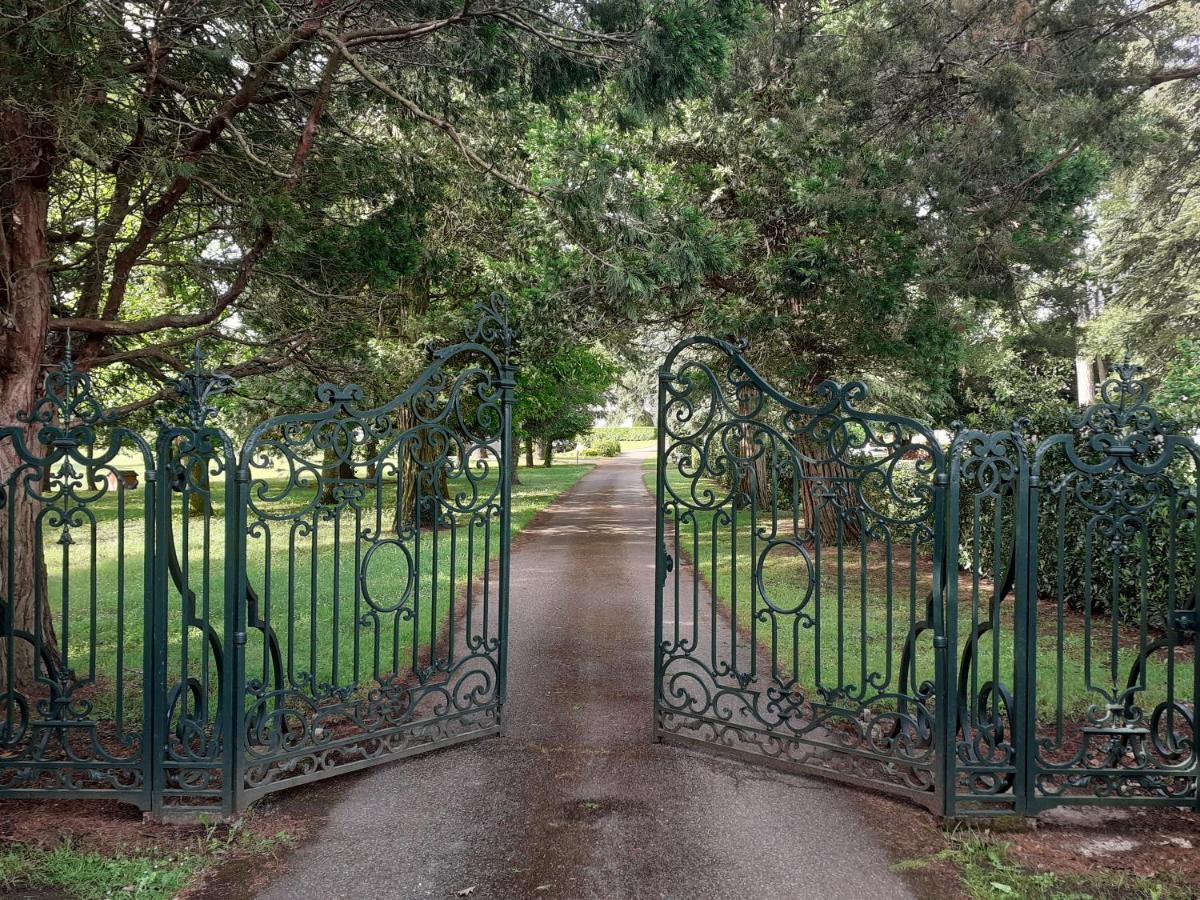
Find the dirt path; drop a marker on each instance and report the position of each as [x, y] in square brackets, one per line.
[577, 801]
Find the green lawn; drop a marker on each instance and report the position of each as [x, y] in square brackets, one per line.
[303, 567]
[856, 632]
[155, 871]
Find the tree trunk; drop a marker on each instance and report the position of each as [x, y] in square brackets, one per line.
[753, 476]
[514, 477]
[26, 158]
[547, 454]
[416, 503]
[372, 452]
[529, 452]
[333, 471]
[200, 501]
[1085, 380]
[826, 492]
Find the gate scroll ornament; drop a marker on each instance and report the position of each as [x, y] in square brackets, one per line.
[839, 594]
[1088, 528]
[332, 596]
[793, 674]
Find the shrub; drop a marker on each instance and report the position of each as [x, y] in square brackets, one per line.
[607, 447]
[630, 433]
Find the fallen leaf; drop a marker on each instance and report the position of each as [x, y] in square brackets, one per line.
[467, 891]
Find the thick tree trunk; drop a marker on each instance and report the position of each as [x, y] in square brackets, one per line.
[547, 454]
[333, 470]
[416, 503]
[25, 162]
[755, 475]
[529, 452]
[200, 501]
[827, 493]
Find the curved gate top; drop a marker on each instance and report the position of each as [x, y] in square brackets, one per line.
[1000, 625]
[186, 627]
[800, 557]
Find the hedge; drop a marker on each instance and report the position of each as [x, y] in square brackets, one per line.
[619, 433]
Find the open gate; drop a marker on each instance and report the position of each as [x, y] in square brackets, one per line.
[995, 626]
[232, 622]
[798, 607]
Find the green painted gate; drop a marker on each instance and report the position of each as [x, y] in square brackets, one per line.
[231, 620]
[985, 623]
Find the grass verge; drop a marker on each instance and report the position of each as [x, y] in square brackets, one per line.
[147, 872]
[989, 872]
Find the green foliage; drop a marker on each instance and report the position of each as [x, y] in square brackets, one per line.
[148, 873]
[607, 447]
[622, 433]
[343, 208]
[685, 50]
[1178, 395]
[1145, 260]
[556, 397]
[90, 875]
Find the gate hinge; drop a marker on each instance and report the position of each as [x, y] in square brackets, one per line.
[1185, 620]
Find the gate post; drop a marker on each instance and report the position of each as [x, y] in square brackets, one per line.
[508, 384]
[943, 678]
[233, 632]
[154, 636]
[1025, 639]
[660, 547]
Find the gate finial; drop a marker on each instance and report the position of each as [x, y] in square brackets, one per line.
[198, 388]
[492, 326]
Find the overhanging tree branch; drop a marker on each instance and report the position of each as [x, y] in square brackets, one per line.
[442, 125]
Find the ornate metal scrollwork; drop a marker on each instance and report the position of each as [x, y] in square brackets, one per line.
[790, 513]
[386, 519]
[1120, 494]
[60, 484]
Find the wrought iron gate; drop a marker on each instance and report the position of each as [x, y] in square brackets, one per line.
[230, 623]
[1073, 620]
[997, 625]
[796, 614]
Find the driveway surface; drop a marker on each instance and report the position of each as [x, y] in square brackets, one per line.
[577, 801]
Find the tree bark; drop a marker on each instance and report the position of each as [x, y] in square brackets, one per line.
[200, 501]
[333, 471]
[1085, 380]
[820, 477]
[754, 477]
[416, 504]
[26, 160]
[547, 454]
[529, 452]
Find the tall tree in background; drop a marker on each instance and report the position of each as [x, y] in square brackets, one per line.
[165, 165]
[1145, 262]
[557, 397]
[874, 184]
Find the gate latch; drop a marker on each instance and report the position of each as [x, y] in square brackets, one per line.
[1185, 620]
[668, 562]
